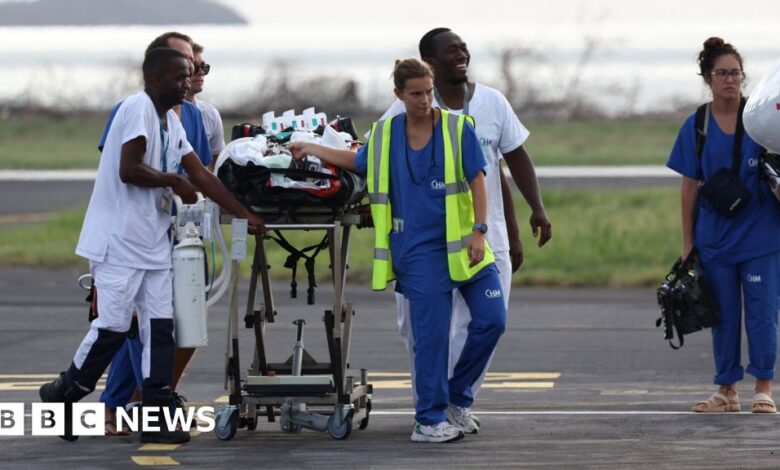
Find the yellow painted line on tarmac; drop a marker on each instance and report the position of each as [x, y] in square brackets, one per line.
[154, 460]
[17, 382]
[159, 447]
[531, 385]
[29, 376]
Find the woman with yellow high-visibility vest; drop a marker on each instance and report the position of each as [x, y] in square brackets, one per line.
[426, 184]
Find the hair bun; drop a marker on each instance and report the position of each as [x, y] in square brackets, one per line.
[714, 43]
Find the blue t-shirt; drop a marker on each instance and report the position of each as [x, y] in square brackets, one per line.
[755, 230]
[419, 252]
[191, 120]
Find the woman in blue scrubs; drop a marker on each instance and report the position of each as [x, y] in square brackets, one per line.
[740, 254]
[418, 246]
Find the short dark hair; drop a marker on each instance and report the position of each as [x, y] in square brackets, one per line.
[158, 58]
[161, 41]
[427, 48]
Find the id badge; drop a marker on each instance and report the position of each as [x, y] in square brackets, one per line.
[165, 200]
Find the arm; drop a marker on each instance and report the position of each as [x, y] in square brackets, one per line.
[522, 169]
[215, 190]
[476, 245]
[341, 158]
[133, 170]
[513, 232]
[689, 192]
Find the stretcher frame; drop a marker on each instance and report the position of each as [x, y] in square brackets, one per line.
[299, 401]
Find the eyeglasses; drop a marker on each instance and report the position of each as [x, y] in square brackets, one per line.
[201, 66]
[722, 74]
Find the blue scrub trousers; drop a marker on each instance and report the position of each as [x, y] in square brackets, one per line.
[430, 318]
[124, 375]
[758, 281]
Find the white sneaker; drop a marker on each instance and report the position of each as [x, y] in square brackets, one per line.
[441, 432]
[463, 419]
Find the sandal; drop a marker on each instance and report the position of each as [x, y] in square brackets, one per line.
[111, 430]
[718, 403]
[762, 403]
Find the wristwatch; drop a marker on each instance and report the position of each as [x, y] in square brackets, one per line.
[481, 228]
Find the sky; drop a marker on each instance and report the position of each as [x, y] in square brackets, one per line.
[647, 46]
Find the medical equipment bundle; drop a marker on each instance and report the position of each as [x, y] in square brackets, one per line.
[301, 392]
[686, 301]
[260, 171]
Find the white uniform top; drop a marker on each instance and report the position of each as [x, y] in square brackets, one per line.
[125, 224]
[499, 131]
[212, 121]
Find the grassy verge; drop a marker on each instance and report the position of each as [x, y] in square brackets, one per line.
[600, 238]
[72, 143]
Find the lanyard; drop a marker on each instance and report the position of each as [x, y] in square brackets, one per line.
[466, 98]
[164, 150]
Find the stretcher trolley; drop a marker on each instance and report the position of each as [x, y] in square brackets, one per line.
[301, 392]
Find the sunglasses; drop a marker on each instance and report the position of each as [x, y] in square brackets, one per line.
[202, 66]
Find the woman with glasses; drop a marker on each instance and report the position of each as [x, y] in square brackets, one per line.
[739, 249]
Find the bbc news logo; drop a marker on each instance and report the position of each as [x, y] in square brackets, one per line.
[89, 419]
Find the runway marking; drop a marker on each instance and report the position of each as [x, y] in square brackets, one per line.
[21, 382]
[494, 380]
[519, 380]
[158, 460]
[159, 447]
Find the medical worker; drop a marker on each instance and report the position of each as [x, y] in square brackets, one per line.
[125, 239]
[124, 381]
[426, 184]
[212, 120]
[739, 254]
[501, 136]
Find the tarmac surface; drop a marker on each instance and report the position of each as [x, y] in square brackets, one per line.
[581, 379]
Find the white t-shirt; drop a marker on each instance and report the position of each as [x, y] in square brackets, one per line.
[125, 224]
[212, 121]
[499, 131]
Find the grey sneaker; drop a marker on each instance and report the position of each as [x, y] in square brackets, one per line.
[441, 432]
[463, 419]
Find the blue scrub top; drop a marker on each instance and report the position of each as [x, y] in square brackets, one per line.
[753, 232]
[191, 120]
[419, 253]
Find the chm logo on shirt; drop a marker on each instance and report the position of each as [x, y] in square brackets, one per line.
[493, 293]
[754, 278]
[437, 185]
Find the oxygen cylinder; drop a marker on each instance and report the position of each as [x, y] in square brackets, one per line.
[189, 281]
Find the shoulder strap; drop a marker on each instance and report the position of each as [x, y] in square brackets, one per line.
[738, 136]
[702, 122]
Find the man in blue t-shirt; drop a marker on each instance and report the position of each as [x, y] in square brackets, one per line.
[124, 376]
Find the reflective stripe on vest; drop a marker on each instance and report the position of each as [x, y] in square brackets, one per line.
[458, 202]
[378, 182]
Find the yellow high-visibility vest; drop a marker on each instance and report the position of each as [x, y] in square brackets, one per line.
[459, 206]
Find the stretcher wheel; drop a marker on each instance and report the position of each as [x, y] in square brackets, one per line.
[364, 422]
[287, 425]
[339, 429]
[251, 424]
[226, 427]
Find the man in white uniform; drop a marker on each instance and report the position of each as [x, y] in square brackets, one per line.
[501, 136]
[211, 118]
[125, 238]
